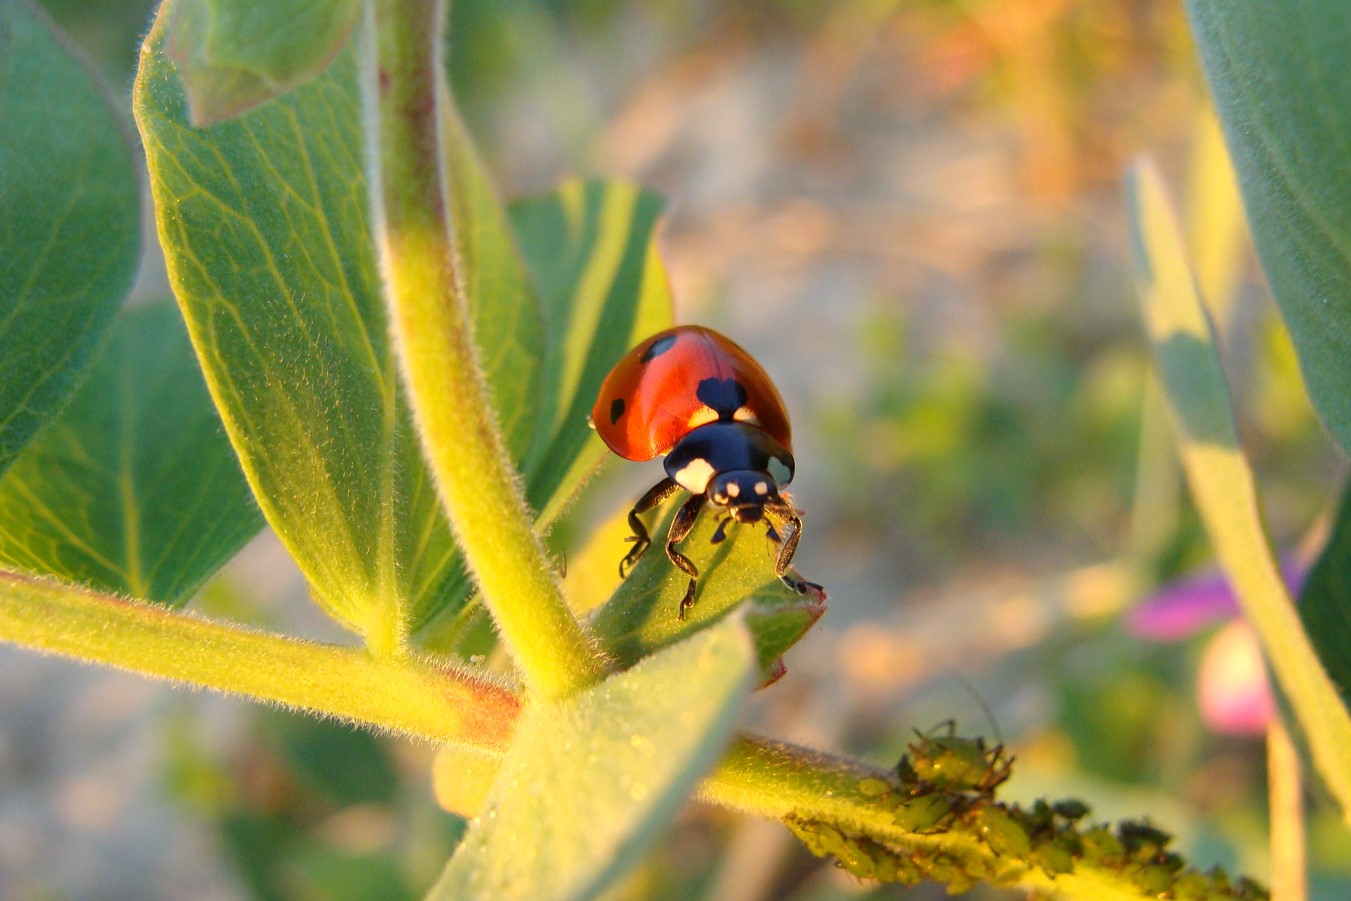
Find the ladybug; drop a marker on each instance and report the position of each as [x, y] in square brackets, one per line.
[694, 396]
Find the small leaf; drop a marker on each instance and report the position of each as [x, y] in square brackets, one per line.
[233, 56]
[69, 221]
[641, 616]
[1283, 93]
[1325, 602]
[1220, 479]
[590, 781]
[134, 488]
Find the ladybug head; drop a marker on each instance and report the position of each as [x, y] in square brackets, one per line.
[743, 492]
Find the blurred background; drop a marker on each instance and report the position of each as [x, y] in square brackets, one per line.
[912, 214]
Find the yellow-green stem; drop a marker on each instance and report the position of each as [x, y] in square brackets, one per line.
[411, 697]
[1285, 790]
[404, 101]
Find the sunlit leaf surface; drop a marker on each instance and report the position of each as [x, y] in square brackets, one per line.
[69, 221]
[1283, 92]
[133, 488]
[591, 780]
[233, 56]
[264, 223]
[641, 615]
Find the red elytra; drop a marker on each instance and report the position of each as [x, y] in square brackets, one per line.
[677, 380]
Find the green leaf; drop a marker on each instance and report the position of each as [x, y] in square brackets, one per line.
[233, 56]
[641, 616]
[1325, 602]
[1221, 481]
[591, 247]
[590, 781]
[134, 488]
[69, 221]
[266, 234]
[1283, 92]
[265, 228]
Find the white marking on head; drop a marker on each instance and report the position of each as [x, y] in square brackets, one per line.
[744, 414]
[702, 416]
[781, 473]
[694, 476]
[733, 489]
[762, 488]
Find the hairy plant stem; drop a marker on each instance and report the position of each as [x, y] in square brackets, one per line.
[404, 104]
[408, 696]
[471, 717]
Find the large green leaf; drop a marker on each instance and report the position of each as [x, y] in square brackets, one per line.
[589, 781]
[264, 223]
[265, 229]
[1282, 88]
[69, 221]
[133, 488]
[1325, 602]
[234, 56]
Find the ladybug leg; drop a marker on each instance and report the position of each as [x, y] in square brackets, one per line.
[788, 547]
[658, 493]
[720, 533]
[680, 528]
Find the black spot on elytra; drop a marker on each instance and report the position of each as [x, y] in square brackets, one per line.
[657, 348]
[723, 396]
[616, 409]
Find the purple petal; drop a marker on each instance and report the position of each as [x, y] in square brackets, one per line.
[1183, 607]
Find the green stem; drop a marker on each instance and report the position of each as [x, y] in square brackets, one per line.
[472, 717]
[1285, 791]
[404, 105]
[773, 779]
[409, 696]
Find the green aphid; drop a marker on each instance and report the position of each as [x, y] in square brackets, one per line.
[872, 787]
[924, 813]
[1219, 881]
[1004, 834]
[1191, 887]
[1153, 880]
[1071, 809]
[1251, 890]
[1053, 858]
[1141, 839]
[1102, 847]
[946, 870]
[951, 762]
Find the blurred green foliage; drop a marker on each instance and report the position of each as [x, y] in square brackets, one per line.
[1021, 447]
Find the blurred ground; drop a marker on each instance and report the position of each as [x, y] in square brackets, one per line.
[910, 212]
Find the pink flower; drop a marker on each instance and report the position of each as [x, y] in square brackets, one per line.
[1232, 690]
